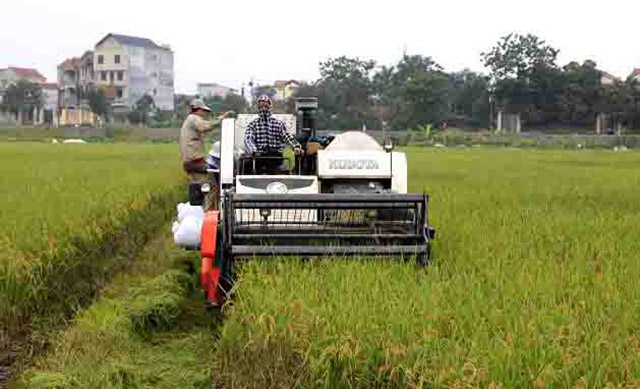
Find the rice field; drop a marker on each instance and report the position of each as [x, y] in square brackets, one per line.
[534, 284]
[533, 281]
[70, 215]
[52, 192]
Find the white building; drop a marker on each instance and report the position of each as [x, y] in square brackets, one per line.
[10, 76]
[130, 67]
[207, 90]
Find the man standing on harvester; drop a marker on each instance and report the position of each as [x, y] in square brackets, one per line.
[193, 155]
[268, 135]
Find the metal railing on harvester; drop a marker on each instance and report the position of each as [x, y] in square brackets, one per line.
[327, 224]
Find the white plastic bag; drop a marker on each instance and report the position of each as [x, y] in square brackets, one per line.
[188, 228]
[189, 232]
[186, 209]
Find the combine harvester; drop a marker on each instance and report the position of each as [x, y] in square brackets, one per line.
[345, 196]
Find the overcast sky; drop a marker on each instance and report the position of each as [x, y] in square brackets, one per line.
[229, 42]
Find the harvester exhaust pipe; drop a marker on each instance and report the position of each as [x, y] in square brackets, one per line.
[305, 109]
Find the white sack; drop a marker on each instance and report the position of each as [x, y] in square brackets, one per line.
[189, 232]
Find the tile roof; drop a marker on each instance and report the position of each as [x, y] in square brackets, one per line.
[283, 83]
[635, 73]
[132, 41]
[71, 63]
[26, 73]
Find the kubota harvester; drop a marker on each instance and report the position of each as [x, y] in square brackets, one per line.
[346, 195]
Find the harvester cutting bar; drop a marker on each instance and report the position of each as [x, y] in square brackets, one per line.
[321, 224]
[328, 201]
[328, 236]
[323, 250]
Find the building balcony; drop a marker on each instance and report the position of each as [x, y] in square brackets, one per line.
[110, 67]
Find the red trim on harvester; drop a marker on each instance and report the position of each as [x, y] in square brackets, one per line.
[210, 275]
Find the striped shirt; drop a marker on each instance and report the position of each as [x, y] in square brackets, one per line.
[267, 133]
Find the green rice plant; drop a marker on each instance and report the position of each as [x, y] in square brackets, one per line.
[73, 215]
[533, 284]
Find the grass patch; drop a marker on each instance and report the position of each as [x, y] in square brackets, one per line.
[534, 283]
[143, 333]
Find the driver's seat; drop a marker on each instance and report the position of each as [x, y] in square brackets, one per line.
[269, 163]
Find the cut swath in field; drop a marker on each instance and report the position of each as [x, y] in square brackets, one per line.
[144, 331]
[74, 216]
[533, 283]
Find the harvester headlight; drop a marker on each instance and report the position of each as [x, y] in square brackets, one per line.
[265, 213]
[277, 188]
[388, 145]
[205, 188]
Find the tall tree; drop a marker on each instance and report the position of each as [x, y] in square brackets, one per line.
[347, 91]
[23, 97]
[621, 101]
[581, 91]
[470, 97]
[181, 103]
[423, 88]
[412, 93]
[144, 108]
[98, 101]
[524, 74]
[515, 56]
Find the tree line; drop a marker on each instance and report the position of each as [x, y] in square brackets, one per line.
[523, 78]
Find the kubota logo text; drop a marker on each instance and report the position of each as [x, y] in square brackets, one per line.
[353, 164]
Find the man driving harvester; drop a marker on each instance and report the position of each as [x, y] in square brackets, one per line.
[268, 135]
[193, 155]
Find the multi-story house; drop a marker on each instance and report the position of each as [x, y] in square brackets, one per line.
[285, 89]
[608, 79]
[207, 90]
[11, 76]
[75, 77]
[131, 67]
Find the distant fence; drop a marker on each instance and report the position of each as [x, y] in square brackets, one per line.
[525, 140]
[7, 118]
[402, 138]
[106, 133]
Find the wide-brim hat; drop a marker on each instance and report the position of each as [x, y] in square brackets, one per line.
[199, 104]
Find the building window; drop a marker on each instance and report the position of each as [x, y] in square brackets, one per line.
[119, 93]
[100, 59]
[120, 75]
[103, 76]
[117, 59]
